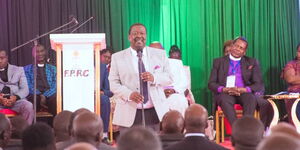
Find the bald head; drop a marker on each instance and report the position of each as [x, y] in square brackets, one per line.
[139, 138]
[74, 114]
[279, 141]
[247, 132]
[286, 128]
[61, 123]
[5, 130]
[88, 127]
[156, 45]
[195, 118]
[81, 146]
[172, 122]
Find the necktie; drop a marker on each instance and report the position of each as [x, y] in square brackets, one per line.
[143, 85]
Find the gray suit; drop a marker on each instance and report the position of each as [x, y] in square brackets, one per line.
[18, 86]
[124, 79]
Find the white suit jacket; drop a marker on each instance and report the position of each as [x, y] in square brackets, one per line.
[124, 80]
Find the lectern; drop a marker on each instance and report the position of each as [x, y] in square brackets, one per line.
[78, 70]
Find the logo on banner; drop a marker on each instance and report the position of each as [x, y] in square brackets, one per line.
[76, 71]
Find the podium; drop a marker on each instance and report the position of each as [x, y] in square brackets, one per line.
[78, 70]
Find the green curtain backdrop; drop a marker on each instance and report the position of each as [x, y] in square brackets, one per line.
[200, 27]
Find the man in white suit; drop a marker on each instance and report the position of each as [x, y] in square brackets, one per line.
[124, 80]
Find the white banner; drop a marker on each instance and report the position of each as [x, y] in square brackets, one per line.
[78, 76]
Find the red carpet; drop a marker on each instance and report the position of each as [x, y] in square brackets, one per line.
[227, 144]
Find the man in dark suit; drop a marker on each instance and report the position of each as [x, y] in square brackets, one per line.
[172, 126]
[105, 95]
[195, 124]
[236, 78]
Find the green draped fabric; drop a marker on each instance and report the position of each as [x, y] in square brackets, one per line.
[200, 27]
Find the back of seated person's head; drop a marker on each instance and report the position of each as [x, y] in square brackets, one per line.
[88, 127]
[247, 132]
[156, 44]
[61, 123]
[172, 122]
[19, 124]
[81, 146]
[139, 138]
[195, 119]
[38, 136]
[5, 130]
[287, 128]
[74, 114]
[279, 141]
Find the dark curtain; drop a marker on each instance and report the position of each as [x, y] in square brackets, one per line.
[22, 20]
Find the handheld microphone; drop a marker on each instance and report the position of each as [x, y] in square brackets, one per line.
[82, 24]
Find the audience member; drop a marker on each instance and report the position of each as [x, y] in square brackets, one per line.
[236, 79]
[137, 77]
[279, 141]
[38, 136]
[139, 138]
[228, 45]
[18, 124]
[5, 131]
[61, 123]
[13, 87]
[81, 146]
[195, 120]
[63, 144]
[172, 128]
[247, 132]
[286, 128]
[87, 127]
[291, 74]
[45, 80]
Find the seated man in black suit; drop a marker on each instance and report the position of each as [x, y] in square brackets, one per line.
[236, 78]
[172, 127]
[195, 120]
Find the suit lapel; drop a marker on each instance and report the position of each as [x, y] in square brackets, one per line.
[244, 67]
[128, 60]
[9, 73]
[225, 67]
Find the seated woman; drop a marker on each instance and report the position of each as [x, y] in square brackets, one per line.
[291, 74]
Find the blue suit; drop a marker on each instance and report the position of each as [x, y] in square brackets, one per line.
[105, 103]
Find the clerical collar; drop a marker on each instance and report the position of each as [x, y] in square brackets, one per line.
[194, 134]
[233, 58]
[40, 65]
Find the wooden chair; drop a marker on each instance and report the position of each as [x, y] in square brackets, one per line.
[219, 115]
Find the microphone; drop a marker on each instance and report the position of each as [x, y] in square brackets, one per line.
[82, 24]
[73, 19]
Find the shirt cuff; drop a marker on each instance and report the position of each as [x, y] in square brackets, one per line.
[248, 89]
[220, 89]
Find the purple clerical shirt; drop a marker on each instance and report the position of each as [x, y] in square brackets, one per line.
[239, 82]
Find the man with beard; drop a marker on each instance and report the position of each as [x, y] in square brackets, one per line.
[137, 77]
[45, 79]
[236, 78]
